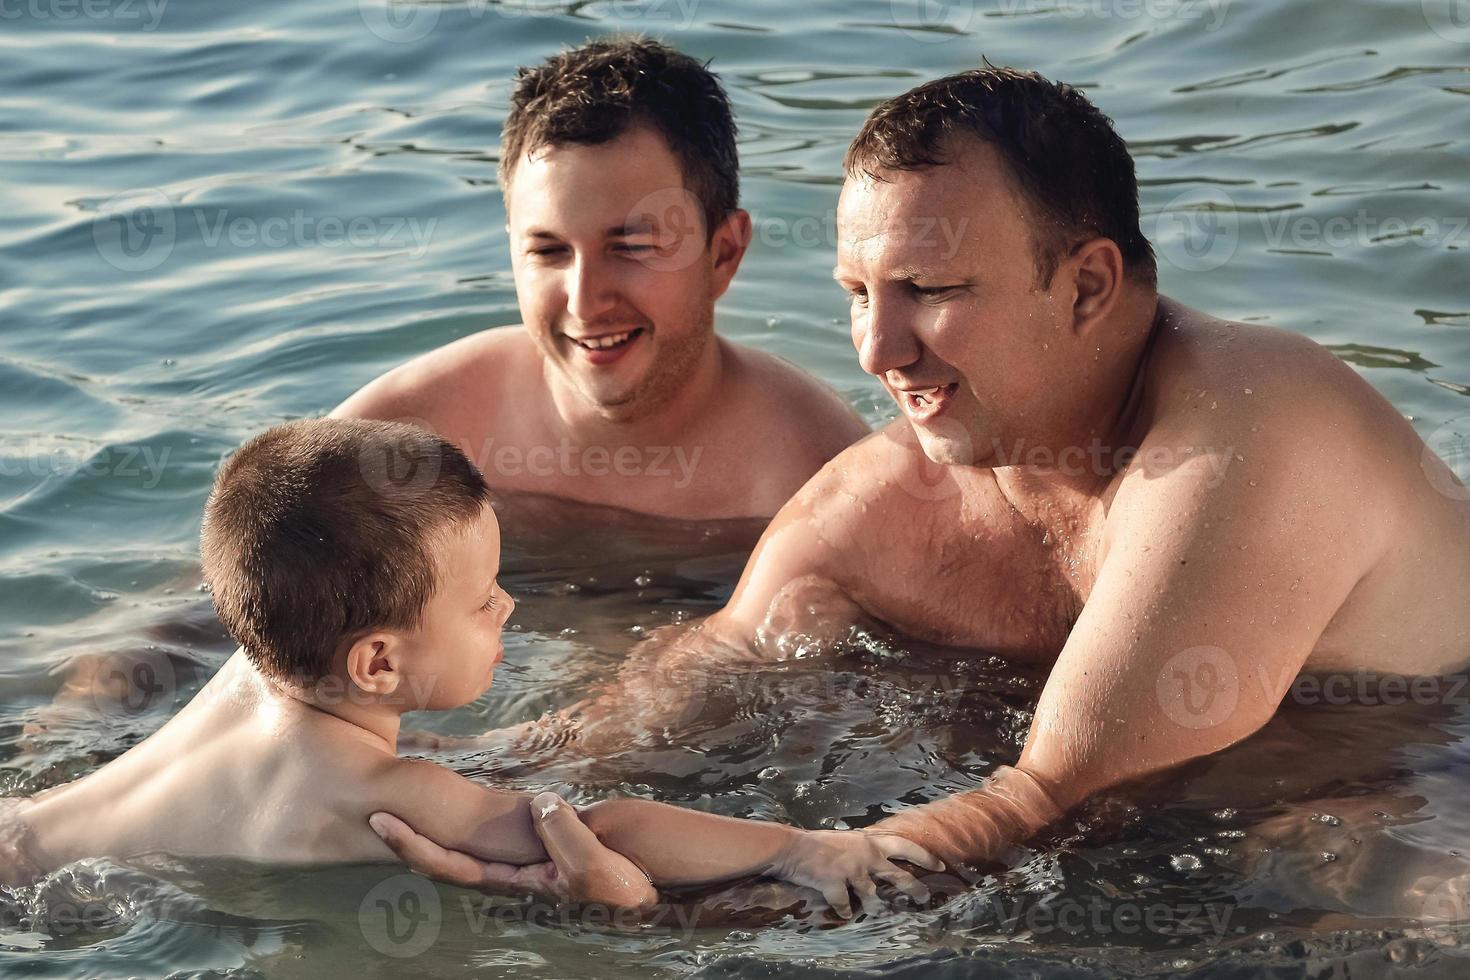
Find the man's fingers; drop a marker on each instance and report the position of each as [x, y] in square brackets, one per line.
[908, 884]
[569, 842]
[904, 849]
[425, 856]
[837, 897]
[867, 894]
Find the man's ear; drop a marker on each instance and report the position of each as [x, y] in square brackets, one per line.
[1096, 270]
[374, 663]
[727, 246]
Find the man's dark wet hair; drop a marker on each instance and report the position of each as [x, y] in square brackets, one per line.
[323, 530]
[594, 93]
[1072, 169]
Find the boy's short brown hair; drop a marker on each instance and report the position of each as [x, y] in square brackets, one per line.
[593, 94]
[321, 530]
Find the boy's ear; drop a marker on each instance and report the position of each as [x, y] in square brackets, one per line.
[375, 663]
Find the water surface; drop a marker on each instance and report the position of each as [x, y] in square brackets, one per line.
[218, 216]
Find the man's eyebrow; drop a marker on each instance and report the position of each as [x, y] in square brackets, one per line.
[614, 231]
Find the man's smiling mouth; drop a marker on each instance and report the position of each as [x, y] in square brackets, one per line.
[609, 347]
[922, 404]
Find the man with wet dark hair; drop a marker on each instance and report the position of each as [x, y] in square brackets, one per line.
[619, 173]
[1176, 514]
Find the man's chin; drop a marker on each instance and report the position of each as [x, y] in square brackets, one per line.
[953, 446]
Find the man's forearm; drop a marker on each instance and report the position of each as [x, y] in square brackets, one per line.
[978, 826]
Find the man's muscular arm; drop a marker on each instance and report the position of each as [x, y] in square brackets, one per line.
[1213, 593]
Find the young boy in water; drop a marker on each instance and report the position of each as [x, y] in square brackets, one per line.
[355, 563]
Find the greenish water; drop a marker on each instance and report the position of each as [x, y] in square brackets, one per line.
[216, 216]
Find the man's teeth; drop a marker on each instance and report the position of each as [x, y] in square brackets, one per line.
[611, 340]
[924, 395]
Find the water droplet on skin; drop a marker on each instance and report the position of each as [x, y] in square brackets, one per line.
[1252, 482]
[1249, 392]
[1328, 819]
[643, 580]
[769, 772]
[1328, 857]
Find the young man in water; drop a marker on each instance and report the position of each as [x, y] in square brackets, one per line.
[356, 597]
[619, 174]
[1176, 514]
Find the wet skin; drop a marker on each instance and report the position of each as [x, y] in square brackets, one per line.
[1278, 515]
[1174, 513]
[616, 390]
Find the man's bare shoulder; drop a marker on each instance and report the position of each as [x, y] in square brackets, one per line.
[1208, 369]
[428, 386]
[1252, 422]
[805, 409]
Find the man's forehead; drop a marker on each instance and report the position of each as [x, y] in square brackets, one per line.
[599, 184]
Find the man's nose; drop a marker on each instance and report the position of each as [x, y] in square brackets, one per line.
[885, 341]
[591, 290]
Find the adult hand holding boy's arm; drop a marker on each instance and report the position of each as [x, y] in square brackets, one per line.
[673, 847]
[581, 869]
[498, 841]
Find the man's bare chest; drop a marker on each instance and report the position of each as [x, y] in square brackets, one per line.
[981, 575]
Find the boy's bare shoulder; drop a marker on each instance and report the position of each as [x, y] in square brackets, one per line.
[428, 387]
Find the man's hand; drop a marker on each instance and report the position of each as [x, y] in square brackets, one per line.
[833, 861]
[581, 869]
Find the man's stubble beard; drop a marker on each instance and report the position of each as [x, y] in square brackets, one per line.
[673, 367]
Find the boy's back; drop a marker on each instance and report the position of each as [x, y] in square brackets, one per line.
[240, 771]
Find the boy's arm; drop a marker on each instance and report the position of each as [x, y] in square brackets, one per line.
[489, 824]
[677, 847]
[670, 846]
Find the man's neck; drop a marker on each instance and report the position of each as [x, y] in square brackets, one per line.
[1102, 428]
[670, 421]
